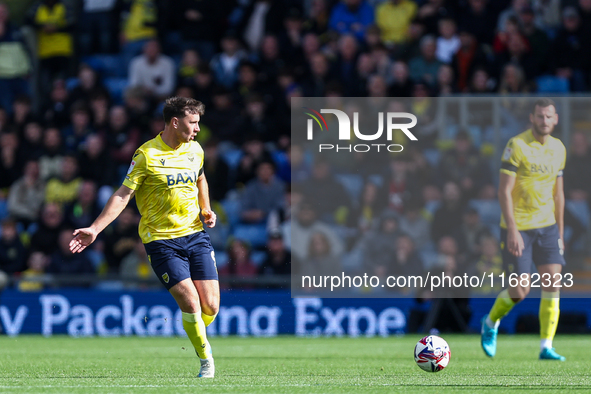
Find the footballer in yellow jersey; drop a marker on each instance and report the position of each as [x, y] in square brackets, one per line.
[166, 177]
[531, 195]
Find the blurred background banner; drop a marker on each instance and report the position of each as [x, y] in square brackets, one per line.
[254, 313]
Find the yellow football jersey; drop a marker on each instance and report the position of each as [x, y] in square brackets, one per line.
[165, 184]
[536, 167]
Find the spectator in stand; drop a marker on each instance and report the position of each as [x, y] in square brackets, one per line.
[96, 164]
[138, 107]
[401, 85]
[445, 220]
[190, 63]
[431, 12]
[240, 264]
[469, 57]
[217, 171]
[300, 230]
[139, 26]
[400, 185]
[224, 65]
[321, 258]
[50, 162]
[99, 107]
[75, 134]
[470, 233]
[278, 260]
[351, 17]
[393, 17]
[346, 60]
[253, 154]
[270, 61]
[89, 85]
[10, 159]
[45, 238]
[64, 190]
[448, 42]
[57, 111]
[65, 262]
[260, 17]
[518, 53]
[22, 113]
[511, 12]
[489, 262]
[199, 25]
[537, 38]
[261, 195]
[547, 13]
[122, 138]
[379, 245]
[224, 117]
[513, 80]
[12, 251]
[256, 122]
[31, 143]
[577, 178]
[424, 67]
[465, 166]
[247, 82]
[584, 8]
[153, 71]
[36, 266]
[314, 85]
[97, 23]
[204, 85]
[481, 82]
[82, 212]
[571, 51]
[371, 205]
[446, 84]
[120, 238]
[53, 20]
[318, 16]
[414, 223]
[407, 261]
[136, 265]
[15, 65]
[477, 18]
[26, 195]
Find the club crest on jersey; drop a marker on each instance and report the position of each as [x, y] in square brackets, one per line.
[191, 157]
[165, 277]
[181, 178]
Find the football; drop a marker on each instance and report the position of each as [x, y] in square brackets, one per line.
[432, 353]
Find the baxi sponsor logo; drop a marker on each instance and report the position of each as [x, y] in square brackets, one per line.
[344, 132]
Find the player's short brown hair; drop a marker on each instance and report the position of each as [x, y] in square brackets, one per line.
[179, 107]
[543, 103]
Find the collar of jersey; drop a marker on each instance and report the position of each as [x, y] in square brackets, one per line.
[165, 145]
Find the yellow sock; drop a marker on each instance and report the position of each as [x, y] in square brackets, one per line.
[207, 319]
[195, 329]
[501, 307]
[549, 313]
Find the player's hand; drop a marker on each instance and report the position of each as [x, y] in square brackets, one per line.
[515, 243]
[209, 217]
[82, 238]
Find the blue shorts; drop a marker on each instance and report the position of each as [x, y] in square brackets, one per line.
[174, 260]
[541, 246]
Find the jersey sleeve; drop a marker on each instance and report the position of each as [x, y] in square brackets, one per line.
[511, 158]
[137, 171]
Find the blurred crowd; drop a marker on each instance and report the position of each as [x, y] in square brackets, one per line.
[75, 105]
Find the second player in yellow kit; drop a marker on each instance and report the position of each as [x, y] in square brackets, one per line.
[531, 195]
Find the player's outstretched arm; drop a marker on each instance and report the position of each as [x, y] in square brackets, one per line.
[85, 236]
[559, 202]
[515, 243]
[208, 215]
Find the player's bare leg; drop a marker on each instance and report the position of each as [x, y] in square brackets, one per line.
[186, 295]
[209, 297]
[550, 275]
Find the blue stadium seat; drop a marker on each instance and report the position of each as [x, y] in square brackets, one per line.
[116, 87]
[489, 211]
[258, 257]
[232, 158]
[353, 184]
[580, 209]
[552, 84]
[71, 83]
[106, 65]
[254, 234]
[232, 208]
[432, 156]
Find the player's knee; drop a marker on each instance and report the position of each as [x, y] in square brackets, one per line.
[210, 308]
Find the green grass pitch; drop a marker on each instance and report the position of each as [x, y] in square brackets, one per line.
[33, 364]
